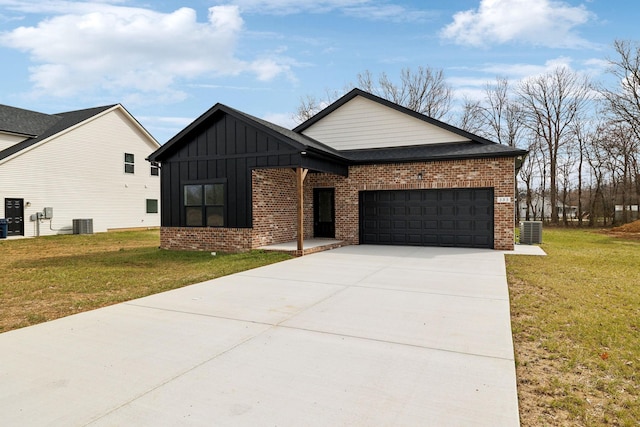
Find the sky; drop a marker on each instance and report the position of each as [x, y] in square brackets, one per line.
[167, 62]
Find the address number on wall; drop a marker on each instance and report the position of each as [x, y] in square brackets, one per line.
[504, 199]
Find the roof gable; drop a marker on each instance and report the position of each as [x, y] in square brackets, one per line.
[65, 122]
[360, 120]
[295, 141]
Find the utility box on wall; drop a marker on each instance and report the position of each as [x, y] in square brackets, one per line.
[48, 213]
[530, 232]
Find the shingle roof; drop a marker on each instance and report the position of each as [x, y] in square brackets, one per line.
[24, 122]
[297, 140]
[478, 147]
[453, 150]
[62, 121]
[301, 139]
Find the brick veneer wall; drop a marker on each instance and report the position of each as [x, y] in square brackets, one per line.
[497, 173]
[274, 206]
[206, 238]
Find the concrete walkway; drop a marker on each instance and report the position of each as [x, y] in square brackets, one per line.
[357, 336]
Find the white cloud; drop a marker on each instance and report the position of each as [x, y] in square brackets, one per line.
[288, 7]
[520, 71]
[540, 23]
[366, 9]
[99, 46]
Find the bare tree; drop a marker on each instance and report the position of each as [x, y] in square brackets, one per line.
[424, 90]
[310, 105]
[582, 134]
[624, 101]
[502, 115]
[472, 117]
[551, 104]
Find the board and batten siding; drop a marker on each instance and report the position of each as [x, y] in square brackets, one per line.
[363, 124]
[225, 149]
[80, 174]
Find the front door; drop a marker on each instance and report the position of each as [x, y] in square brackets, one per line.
[14, 214]
[324, 213]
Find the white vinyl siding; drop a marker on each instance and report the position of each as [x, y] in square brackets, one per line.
[79, 174]
[7, 140]
[362, 123]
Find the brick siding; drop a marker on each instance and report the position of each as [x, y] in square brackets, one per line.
[274, 201]
[206, 239]
[497, 173]
[274, 206]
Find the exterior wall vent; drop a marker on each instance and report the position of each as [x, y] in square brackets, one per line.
[83, 226]
[530, 232]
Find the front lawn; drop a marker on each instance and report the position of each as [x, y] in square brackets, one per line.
[576, 330]
[51, 277]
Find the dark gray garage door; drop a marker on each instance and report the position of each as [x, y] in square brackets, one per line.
[446, 217]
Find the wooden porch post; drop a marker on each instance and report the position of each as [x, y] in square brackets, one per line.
[300, 176]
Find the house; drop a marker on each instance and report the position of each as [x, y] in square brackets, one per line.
[87, 165]
[362, 171]
[539, 208]
[631, 213]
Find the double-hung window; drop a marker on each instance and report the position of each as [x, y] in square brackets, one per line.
[204, 205]
[129, 163]
[155, 169]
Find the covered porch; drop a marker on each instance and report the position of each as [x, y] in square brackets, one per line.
[281, 202]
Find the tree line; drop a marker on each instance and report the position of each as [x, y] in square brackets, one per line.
[583, 136]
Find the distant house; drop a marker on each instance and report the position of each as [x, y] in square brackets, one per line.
[540, 208]
[632, 213]
[364, 170]
[86, 165]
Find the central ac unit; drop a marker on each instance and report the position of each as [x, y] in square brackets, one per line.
[83, 226]
[530, 232]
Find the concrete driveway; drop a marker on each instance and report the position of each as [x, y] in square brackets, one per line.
[357, 336]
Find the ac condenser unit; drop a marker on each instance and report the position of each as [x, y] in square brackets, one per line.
[83, 226]
[530, 232]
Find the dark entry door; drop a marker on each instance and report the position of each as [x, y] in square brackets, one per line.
[324, 212]
[14, 213]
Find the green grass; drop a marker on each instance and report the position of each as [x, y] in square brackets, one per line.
[576, 326]
[52, 277]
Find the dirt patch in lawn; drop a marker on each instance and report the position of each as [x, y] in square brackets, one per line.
[626, 231]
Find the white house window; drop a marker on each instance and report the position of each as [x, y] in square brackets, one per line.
[152, 205]
[155, 168]
[129, 163]
[204, 205]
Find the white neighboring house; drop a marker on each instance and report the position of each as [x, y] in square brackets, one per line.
[540, 205]
[85, 164]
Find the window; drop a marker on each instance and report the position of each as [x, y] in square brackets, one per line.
[128, 163]
[204, 205]
[152, 205]
[155, 168]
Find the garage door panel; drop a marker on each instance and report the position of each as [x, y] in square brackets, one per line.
[430, 225]
[414, 225]
[465, 225]
[447, 210]
[464, 240]
[446, 225]
[434, 217]
[399, 225]
[398, 210]
[384, 224]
